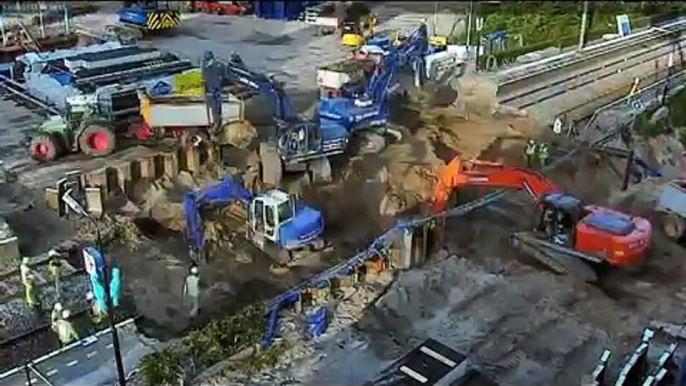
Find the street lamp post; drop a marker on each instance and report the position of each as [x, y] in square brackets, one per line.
[78, 209]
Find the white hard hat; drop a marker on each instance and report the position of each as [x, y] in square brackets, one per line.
[89, 295]
[58, 306]
[25, 261]
[194, 270]
[66, 314]
[52, 253]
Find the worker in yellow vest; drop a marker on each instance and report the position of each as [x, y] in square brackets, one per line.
[65, 330]
[55, 315]
[191, 291]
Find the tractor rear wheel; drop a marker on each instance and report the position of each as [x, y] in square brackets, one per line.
[44, 148]
[97, 140]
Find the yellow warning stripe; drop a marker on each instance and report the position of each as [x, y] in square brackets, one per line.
[158, 20]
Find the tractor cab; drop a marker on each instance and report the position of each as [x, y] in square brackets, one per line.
[559, 217]
[79, 108]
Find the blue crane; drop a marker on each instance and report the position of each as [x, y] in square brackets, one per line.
[276, 223]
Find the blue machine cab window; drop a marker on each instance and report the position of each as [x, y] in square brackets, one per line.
[285, 212]
[269, 220]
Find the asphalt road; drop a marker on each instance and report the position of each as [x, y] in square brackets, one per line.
[87, 362]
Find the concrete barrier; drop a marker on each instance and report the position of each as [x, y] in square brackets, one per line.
[95, 187]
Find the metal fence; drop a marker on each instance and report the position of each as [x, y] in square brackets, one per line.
[623, 111]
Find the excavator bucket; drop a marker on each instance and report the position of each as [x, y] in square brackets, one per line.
[449, 177]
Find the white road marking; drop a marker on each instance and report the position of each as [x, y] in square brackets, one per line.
[72, 363]
[433, 354]
[109, 345]
[33, 381]
[418, 377]
[91, 354]
[52, 372]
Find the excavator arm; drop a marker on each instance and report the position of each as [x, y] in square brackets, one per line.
[459, 173]
[195, 201]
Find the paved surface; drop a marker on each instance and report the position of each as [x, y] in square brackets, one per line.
[426, 365]
[88, 362]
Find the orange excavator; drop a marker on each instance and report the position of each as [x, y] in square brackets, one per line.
[569, 234]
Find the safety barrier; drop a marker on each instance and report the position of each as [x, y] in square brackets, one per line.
[623, 111]
[635, 370]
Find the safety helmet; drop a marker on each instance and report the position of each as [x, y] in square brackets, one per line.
[25, 261]
[53, 253]
[66, 314]
[194, 270]
[208, 55]
[89, 295]
[531, 141]
[58, 306]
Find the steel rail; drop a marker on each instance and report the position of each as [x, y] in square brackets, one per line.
[662, 31]
[599, 69]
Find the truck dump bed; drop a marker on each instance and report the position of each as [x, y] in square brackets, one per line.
[186, 111]
[351, 70]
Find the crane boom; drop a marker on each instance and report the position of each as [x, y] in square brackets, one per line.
[489, 174]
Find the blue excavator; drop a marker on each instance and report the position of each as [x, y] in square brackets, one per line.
[273, 221]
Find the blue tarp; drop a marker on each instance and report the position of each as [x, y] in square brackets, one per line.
[280, 10]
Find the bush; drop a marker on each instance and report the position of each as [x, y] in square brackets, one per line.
[220, 339]
[161, 368]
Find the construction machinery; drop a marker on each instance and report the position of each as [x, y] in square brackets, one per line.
[568, 231]
[137, 18]
[80, 129]
[185, 116]
[222, 7]
[273, 221]
[358, 25]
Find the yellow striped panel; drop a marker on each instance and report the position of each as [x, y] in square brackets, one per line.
[158, 20]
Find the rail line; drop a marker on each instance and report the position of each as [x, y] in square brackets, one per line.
[604, 67]
[595, 52]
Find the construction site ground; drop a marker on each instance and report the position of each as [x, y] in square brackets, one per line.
[524, 324]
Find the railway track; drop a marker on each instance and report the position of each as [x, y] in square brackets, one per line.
[598, 52]
[554, 81]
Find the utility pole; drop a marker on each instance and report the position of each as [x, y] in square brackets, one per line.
[584, 21]
[106, 268]
[469, 24]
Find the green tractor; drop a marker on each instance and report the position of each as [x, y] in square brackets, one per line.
[80, 130]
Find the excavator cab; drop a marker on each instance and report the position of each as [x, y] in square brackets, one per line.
[560, 214]
[268, 212]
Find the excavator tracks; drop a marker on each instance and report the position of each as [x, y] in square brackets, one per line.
[559, 259]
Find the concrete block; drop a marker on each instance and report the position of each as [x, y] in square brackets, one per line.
[97, 178]
[146, 167]
[52, 198]
[9, 251]
[124, 178]
[321, 170]
[170, 162]
[94, 201]
[191, 157]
